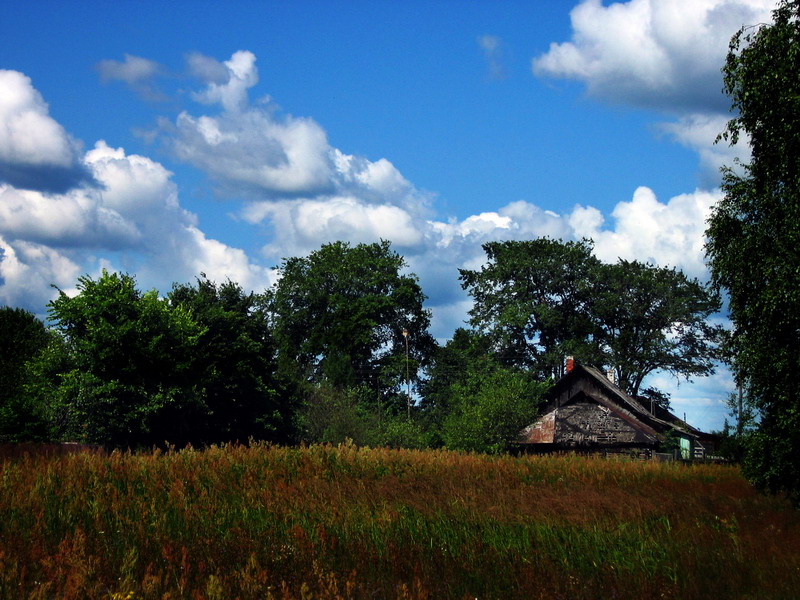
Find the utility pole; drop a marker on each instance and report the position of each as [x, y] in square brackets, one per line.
[408, 379]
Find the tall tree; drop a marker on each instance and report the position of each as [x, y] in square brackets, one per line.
[531, 298]
[232, 366]
[22, 338]
[543, 299]
[129, 356]
[652, 318]
[339, 316]
[753, 243]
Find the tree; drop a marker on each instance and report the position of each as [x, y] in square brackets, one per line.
[339, 316]
[22, 338]
[490, 408]
[467, 352]
[129, 357]
[652, 318]
[531, 298]
[544, 299]
[753, 246]
[232, 367]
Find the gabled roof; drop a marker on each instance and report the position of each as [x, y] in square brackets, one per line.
[614, 398]
[599, 378]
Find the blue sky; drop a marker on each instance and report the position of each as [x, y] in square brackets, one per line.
[166, 139]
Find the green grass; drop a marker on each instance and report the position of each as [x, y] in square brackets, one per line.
[343, 522]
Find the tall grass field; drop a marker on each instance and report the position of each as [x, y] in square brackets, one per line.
[328, 522]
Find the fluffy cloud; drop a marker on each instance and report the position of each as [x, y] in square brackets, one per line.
[650, 53]
[27, 271]
[170, 245]
[76, 218]
[645, 229]
[228, 89]
[253, 153]
[35, 151]
[129, 218]
[249, 150]
[699, 132]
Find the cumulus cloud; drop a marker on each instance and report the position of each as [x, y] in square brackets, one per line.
[75, 219]
[654, 54]
[132, 221]
[228, 89]
[35, 151]
[253, 153]
[27, 271]
[645, 229]
[137, 72]
[699, 132]
[170, 242]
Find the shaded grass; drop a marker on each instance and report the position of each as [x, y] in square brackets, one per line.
[342, 522]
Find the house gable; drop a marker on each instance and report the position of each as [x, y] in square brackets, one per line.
[584, 409]
[587, 420]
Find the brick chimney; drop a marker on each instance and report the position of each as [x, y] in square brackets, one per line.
[570, 364]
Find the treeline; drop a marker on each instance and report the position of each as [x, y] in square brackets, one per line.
[340, 348]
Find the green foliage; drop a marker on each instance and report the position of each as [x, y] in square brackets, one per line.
[652, 318]
[490, 408]
[531, 297]
[350, 415]
[339, 316]
[397, 431]
[334, 415]
[541, 300]
[753, 243]
[22, 338]
[232, 366]
[134, 369]
[467, 352]
[129, 354]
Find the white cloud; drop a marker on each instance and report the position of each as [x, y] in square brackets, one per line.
[652, 53]
[645, 229]
[27, 271]
[254, 153]
[171, 245]
[230, 91]
[77, 218]
[699, 132]
[251, 152]
[135, 223]
[35, 151]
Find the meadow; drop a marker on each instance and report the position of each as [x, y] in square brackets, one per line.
[327, 522]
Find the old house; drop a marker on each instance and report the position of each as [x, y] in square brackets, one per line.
[586, 411]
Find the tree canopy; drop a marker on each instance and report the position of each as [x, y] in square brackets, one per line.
[650, 318]
[531, 297]
[22, 338]
[129, 358]
[233, 365]
[339, 315]
[753, 243]
[134, 369]
[543, 299]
